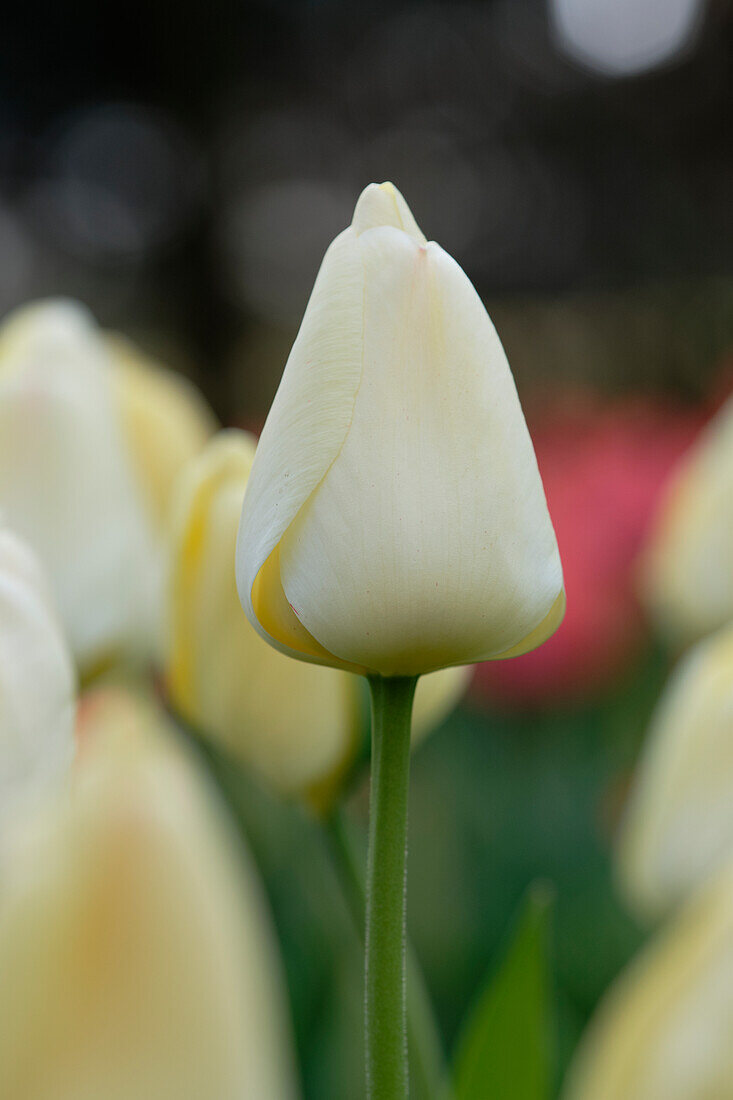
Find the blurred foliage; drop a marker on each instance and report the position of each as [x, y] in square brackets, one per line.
[505, 1046]
[498, 800]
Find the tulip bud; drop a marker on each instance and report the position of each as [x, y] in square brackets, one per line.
[135, 948]
[679, 822]
[88, 444]
[37, 683]
[663, 1032]
[395, 520]
[686, 573]
[297, 726]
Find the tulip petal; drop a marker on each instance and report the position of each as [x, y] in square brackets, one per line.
[305, 430]
[382, 204]
[428, 542]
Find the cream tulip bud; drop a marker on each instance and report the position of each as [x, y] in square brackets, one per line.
[37, 683]
[679, 822]
[136, 951]
[395, 520]
[664, 1030]
[295, 725]
[686, 572]
[88, 444]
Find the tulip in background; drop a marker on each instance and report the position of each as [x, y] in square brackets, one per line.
[118, 711]
[37, 684]
[395, 523]
[686, 575]
[679, 822]
[166, 421]
[85, 453]
[664, 1030]
[135, 948]
[297, 726]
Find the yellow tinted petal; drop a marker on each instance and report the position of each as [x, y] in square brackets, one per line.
[294, 724]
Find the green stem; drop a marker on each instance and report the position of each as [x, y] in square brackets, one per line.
[385, 1020]
[427, 1061]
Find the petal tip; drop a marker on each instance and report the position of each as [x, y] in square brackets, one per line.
[382, 204]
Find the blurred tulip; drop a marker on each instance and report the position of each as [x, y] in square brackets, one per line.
[136, 951]
[83, 428]
[37, 682]
[603, 465]
[119, 710]
[664, 1031]
[679, 822]
[687, 571]
[166, 421]
[294, 725]
[395, 520]
[298, 726]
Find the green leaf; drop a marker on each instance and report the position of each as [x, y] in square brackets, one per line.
[504, 1051]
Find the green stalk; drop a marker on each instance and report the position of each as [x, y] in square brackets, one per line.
[429, 1072]
[386, 1002]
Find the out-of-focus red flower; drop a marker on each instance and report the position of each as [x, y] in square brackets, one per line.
[602, 465]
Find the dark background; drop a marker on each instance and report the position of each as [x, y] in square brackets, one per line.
[182, 168]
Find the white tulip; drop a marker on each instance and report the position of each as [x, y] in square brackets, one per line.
[664, 1030]
[395, 520]
[66, 480]
[297, 726]
[679, 822]
[90, 439]
[37, 683]
[136, 952]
